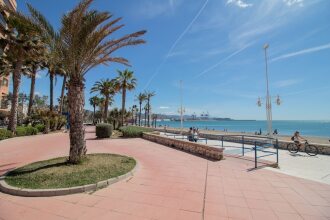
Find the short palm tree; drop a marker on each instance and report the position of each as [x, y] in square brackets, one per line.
[86, 42]
[94, 101]
[141, 98]
[107, 89]
[149, 95]
[125, 81]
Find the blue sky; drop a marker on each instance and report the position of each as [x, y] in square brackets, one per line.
[216, 48]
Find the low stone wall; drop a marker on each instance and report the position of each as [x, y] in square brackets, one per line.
[323, 148]
[191, 147]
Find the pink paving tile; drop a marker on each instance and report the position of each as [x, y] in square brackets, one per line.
[239, 212]
[258, 214]
[236, 201]
[186, 215]
[214, 217]
[307, 209]
[92, 213]
[282, 207]
[253, 194]
[169, 202]
[288, 216]
[89, 200]
[216, 209]
[258, 204]
[162, 213]
[193, 206]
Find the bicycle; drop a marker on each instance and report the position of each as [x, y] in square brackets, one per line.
[311, 150]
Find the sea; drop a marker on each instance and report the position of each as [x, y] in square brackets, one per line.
[284, 127]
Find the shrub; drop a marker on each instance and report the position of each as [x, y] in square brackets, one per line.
[40, 127]
[20, 131]
[26, 131]
[133, 131]
[103, 130]
[5, 134]
[31, 130]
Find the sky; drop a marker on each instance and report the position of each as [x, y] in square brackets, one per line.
[216, 47]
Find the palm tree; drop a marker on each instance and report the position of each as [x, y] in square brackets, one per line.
[23, 43]
[32, 75]
[145, 113]
[125, 81]
[107, 89]
[149, 95]
[94, 101]
[53, 58]
[85, 44]
[141, 98]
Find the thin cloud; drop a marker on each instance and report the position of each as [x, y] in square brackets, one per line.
[164, 107]
[286, 83]
[239, 3]
[175, 43]
[302, 52]
[294, 2]
[223, 60]
[151, 9]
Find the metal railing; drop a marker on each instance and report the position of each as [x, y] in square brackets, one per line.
[263, 145]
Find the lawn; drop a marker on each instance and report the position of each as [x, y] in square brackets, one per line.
[57, 173]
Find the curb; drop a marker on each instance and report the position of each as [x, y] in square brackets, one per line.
[5, 188]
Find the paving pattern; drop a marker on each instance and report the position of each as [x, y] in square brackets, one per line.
[169, 184]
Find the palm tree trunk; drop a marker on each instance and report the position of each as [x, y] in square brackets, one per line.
[123, 105]
[14, 102]
[33, 82]
[51, 91]
[148, 113]
[106, 105]
[140, 114]
[76, 119]
[60, 109]
[94, 113]
[145, 117]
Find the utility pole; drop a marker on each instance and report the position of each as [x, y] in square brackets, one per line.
[181, 110]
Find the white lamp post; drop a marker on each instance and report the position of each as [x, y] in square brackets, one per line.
[181, 110]
[268, 98]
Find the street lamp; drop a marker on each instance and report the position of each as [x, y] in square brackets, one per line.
[181, 110]
[268, 98]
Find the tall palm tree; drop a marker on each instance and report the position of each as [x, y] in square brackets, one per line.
[125, 81]
[107, 89]
[86, 43]
[32, 75]
[53, 58]
[23, 43]
[94, 101]
[141, 98]
[149, 95]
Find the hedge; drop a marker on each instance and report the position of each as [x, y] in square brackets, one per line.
[133, 131]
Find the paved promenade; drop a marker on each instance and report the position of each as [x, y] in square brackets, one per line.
[169, 184]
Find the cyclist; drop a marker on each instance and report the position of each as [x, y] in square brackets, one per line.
[296, 138]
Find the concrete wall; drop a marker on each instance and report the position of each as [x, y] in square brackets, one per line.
[191, 147]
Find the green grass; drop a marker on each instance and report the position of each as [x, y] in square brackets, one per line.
[57, 173]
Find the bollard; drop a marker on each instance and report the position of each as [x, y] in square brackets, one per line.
[243, 145]
[255, 155]
[222, 141]
[277, 151]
